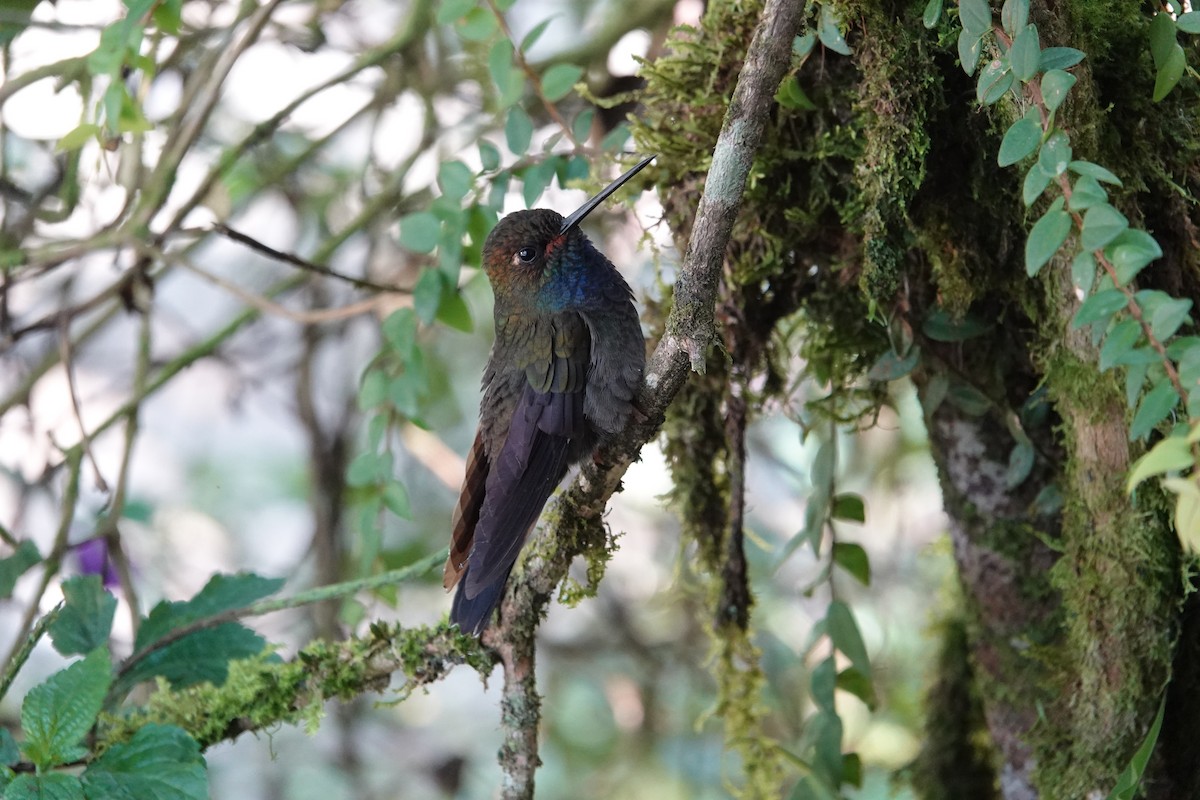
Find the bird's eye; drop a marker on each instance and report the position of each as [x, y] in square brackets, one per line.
[527, 254]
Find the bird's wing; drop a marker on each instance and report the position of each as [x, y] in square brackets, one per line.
[543, 437]
[466, 513]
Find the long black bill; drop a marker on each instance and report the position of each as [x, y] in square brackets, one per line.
[590, 205]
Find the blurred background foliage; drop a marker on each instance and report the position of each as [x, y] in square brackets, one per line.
[227, 408]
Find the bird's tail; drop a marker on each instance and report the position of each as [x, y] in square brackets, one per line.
[472, 614]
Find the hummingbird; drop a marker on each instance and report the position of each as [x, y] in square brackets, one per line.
[566, 362]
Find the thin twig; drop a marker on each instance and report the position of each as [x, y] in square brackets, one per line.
[64, 350]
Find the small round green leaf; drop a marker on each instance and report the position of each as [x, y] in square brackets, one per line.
[419, 232]
[933, 13]
[1169, 317]
[1099, 307]
[994, 80]
[1059, 58]
[1020, 464]
[477, 25]
[1120, 340]
[970, 45]
[518, 131]
[1055, 85]
[1036, 181]
[1101, 224]
[1025, 53]
[1154, 408]
[1055, 154]
[1086, 193]
[975, 16]
[829, 31]
[1083, 271]
[1170, 72]
[1047, 236]
[1189, 22]
[455, 180]
[1130, 252]
[558, 81]
[1020, 140]
[1162, 38]
[1014, 15]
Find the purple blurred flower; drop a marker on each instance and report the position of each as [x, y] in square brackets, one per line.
[94, 560]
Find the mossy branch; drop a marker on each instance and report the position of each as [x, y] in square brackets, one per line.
[576, 525]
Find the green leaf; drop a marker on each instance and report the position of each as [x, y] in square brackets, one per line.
[1014, 16]
[535, 33]
[1020, 464]
[395, 498]
[1099, 307]
[1047, 236]
[77, 137]
[1173, 454]
[823, 682]
[1169, 317]
[1162, 38]
[1130, 252]
[51, 786]
[57, 714]
[942, 326]
[849, 507]
[968, 399]
[373, 390]
[1083, 271]
[478, 24]
[1189, 22]
[843, 632]
[1086, 193]
[1055, 85]
[419, 232]
[933, 13]
[158, 761]
[558, 81]
[890, 366]
[975, 16]
[1036, 181]
[518, 131]
[1025, 53]
[489, 156]
[1120, 340]
[451, 10]
[852, 681]
[86, 618]
[1101, 224]
[1095, 170]
[537, 178]
[802, 46]
[1059, 58]
[581, 128]
[509, 80]
[9, 752]
[853, 559]
[13, 567]
[1169, 73]
[791, 95]
[994, 80]
[453, 310]
[829, 31]
[1154, 408]
[203, 655]
[1020, 140]
[1126, 787]
[427, 295]
[455, 180]
[825, 730]
[970, 46]
[1055, 154]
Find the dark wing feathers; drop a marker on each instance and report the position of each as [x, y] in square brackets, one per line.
[466, 513]
[546, 433]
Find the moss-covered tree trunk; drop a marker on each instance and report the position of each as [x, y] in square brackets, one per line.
[877, 212]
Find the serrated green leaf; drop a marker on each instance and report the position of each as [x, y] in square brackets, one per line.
[57, 714]
[975, 16]
[853, 559]
[1014, 16]
[419, 232]
[1055, 86]
[13, 567]
[86, 617]
[1087, 192]
[1020, 464]
[932, 14]
[1154, 408]
[518, 131]
[1055, 155]
[1121, 339]
[1162, 38]
[1047, 235]
[50, 786]
[158, 761]
[1025, 53]
[1020, 140]
[455, 180]
[1101, 224]
[1059, 58]
[1189, 22]
[890, 366]
[558, 81]
[829, 31]
[1095, 170]
[970, 46]
[477, 25]
[1173, 454]
[1170, 72]
[1099, 307]
[1036, 181]
[843, 632]
[994, 80]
